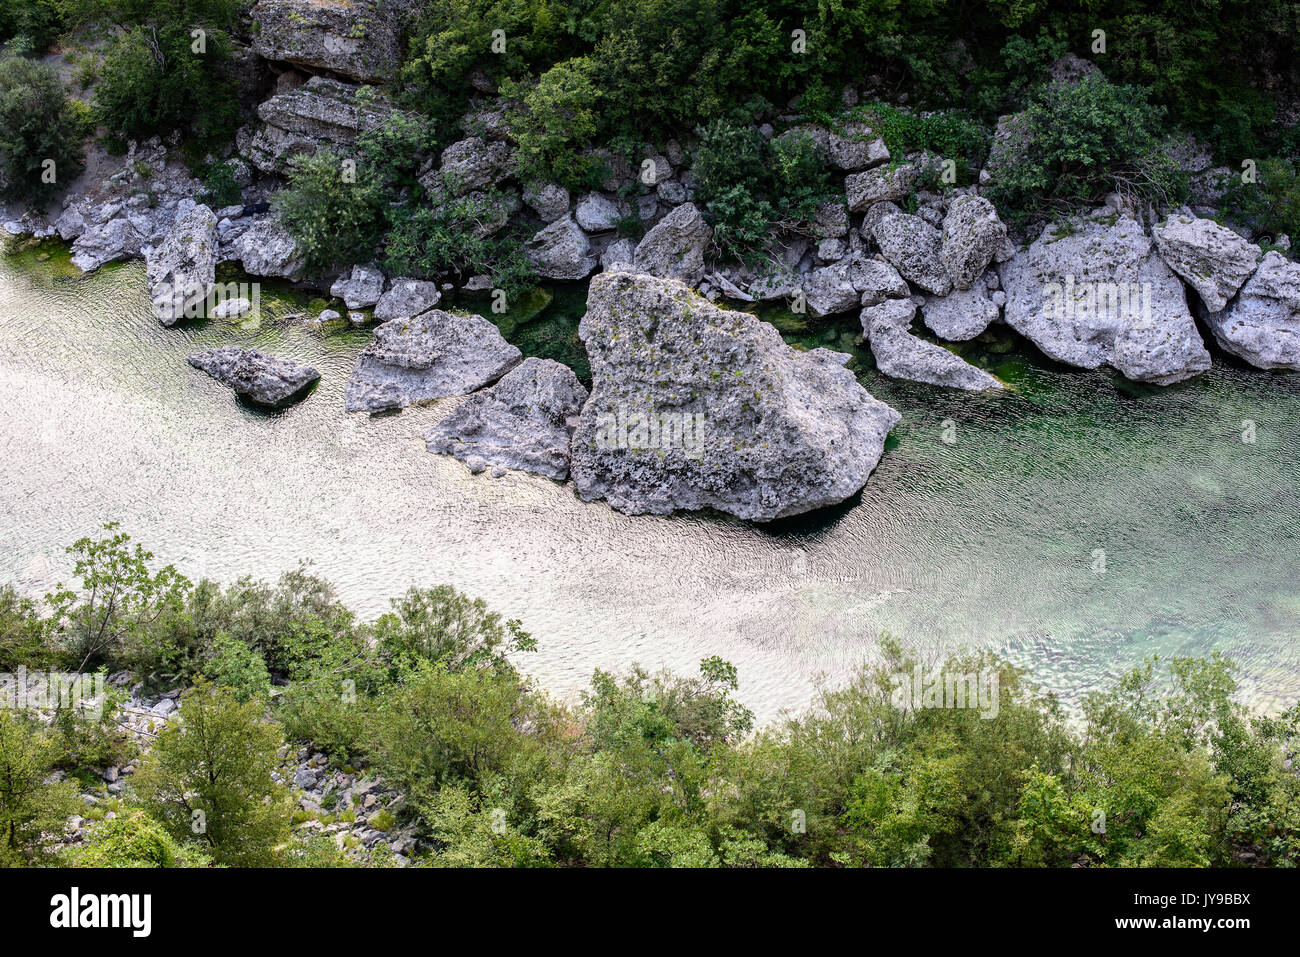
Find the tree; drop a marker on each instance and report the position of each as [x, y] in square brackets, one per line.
[29, 805]
[336, 218]
[40, 135]
[120, 603]
[208, 778]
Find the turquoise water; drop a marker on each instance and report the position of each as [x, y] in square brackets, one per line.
[988, 540]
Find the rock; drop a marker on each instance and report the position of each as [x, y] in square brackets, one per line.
[361, 289]
[230, 309]
[831, 221]
[620, 254]
[70, 224]
[470, 164]
[673, 192]
[597, 213]
[1071, 70]
[426, 357]
[972, 235]
[882, 185]
[694, 406]
[1211, 258]
[845, 285]
[164, 707]
[268, 249]
[406, 298]
[549, 201]
[360, 39]
[856, 147]
[105, 242]
[321, 114]
[913, 247]
[266, 380]
[180, 272]
[674, 248]
[1095, 293]
[561, 251]
[903, 356]
[523, 422]
[1262, 324]
[1011, 139]
[962, 314]
[304, 778]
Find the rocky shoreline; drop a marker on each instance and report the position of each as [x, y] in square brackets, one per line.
[785, 432]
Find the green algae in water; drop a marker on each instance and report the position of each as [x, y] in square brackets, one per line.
[544, 324]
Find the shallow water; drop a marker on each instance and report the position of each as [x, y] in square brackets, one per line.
[988, 541]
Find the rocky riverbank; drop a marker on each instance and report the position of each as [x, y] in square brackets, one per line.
[1124, 286]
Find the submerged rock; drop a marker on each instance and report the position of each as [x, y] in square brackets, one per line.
[674, 248]
[694, 406]
[901, 355]
[1262, 324]
[1213, 259]
[1095, 293]
[266, 380]
[426, 357]
[180, 271]
[523, 422]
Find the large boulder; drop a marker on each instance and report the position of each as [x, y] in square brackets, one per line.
[101, 243]
[180, 271]
[674, 248]
[972, 235]
[694, 406]
[855, 146]
[360, 39]
[269, 250]
[1096, 293]
[1262, 324]
[901, 355]
[598, 213]
[266, 380]
[561, 251]
[406, 298]
[321, 114]
[881, 185]
[549, 201]
[962, 314]
[913, 246]
[470, 164]
[426, 357]
[523, 422]
[1212, 259]
[359, 289]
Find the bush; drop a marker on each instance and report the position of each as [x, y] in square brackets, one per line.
[23, 639]
[152, 82]
[220, 188]
[29, 805]
[337, 219]
[553, 120]
[208, 778]
[37, 125]
[1272, 203]
[1076, 144]
[133, 839]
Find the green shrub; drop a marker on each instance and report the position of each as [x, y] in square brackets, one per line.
[23, 638]
[554, 119]
[29, 804]
[337, 221]
[133, 839]
[220, 188]
[152, 82]
[236, 666]
[1076, 144]
[1271, 203]
[37, 127]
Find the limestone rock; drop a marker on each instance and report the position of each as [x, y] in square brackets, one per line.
[406, 298]
[1262, 324]
[360, 39]
[913, 246]
[426, 357]
[881, 185]
[1213, 259]
[904, 356]
[694, 406]
[266, 380]
[561, 251]
[523, 422]
[972, 235]
[182, 269]
[962, 314]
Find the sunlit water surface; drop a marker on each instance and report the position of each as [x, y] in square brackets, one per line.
[990, 540]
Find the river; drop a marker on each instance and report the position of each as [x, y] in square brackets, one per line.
[1077, 523]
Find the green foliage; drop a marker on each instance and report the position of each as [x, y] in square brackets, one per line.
[239, 668]
[208, 778]
[32, 23]
[554, 119]
[336, 220]
[117, 613]
[29, 805]
[441, 625]
[23, 639]
[1271, 203]
[37, 126]
[220, 186]
[133, 839]
[950, 135]
[1076, 144]
[152, 81]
